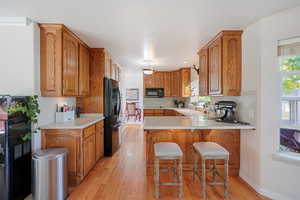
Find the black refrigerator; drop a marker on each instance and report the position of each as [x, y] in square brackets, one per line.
[15, 151]
[112, 122]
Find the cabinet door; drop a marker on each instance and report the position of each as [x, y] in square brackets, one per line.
[89, 158]
[148, 81]
[175, 87]
[70, 65]
[113, 71]
[84, 71]
[203, 72]
[107, 65]
[99, 140]
[168, 83]
[51, 67]
[215, 67]
[185, 83]
[159, 80]
[232, 65]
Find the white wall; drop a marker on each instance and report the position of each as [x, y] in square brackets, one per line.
[276, 179]
[19, 64]
[132, 78]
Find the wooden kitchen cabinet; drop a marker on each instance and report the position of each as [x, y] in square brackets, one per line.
[159, 80]
[168, 83]
[70, 65]
[82, 145]
[175, 83]
[60, 62]
[89, 152]
[113, 71]
[223, 58]
[99, 140]
[148, 81]
[84, 71]
[185, 82]
[107, 64]
[203, 72]
[175, 86]
[215, 67]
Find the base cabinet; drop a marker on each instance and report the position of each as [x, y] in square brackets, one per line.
[85, 147]
[89, 152]
[99, 140]
[161, 112]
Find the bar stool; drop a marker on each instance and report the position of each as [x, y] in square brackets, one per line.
[168, 151]
[211, 151]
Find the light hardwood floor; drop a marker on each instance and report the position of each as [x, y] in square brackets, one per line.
[123, 177]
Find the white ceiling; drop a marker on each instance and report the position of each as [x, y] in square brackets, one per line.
[167, 31]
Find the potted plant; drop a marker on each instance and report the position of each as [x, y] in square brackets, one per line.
[31, 110]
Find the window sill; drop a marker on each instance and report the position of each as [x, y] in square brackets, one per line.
[287, 157]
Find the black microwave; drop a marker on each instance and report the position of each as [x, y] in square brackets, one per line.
[154, 92]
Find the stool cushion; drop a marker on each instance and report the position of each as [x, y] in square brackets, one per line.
[210, 149]
[167, 149]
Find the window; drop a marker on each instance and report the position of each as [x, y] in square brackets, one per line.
[289, 61]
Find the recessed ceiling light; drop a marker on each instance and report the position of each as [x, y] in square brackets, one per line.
[185, 61]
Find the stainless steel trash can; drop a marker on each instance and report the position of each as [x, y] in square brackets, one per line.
[50, 178]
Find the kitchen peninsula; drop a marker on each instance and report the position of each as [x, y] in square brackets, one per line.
[189, 128]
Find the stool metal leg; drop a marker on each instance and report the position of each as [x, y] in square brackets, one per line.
[203, 179]
[180, 178]
[156, 177]
[226, 178]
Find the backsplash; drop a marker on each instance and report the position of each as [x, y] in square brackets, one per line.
[166, 102]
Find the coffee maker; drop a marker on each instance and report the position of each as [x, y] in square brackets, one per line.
[225, 110]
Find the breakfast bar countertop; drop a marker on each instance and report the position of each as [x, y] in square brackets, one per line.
[192, 119]
[82, 122]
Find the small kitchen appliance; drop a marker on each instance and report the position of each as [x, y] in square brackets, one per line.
[154, 92]
[225, 111]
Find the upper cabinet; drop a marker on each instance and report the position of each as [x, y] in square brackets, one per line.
[70, 65]
[84, 71]
[220, 65]
[64, 62]
[168, 83]
[215, 67]
[185, 82]
[203, 72]
[175, 83]
[159, 80]
[100, 59]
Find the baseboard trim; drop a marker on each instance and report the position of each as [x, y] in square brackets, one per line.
[262, 191]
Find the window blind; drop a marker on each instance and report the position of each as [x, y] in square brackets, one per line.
[289, 47]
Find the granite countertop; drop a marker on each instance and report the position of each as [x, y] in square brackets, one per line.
[191, 120]
[82, 122]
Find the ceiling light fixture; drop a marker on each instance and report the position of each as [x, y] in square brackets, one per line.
[148, 71]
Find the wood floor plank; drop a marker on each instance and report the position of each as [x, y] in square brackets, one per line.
[123, 177]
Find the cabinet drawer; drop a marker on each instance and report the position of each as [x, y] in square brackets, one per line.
[148, 111]
[89, 131]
